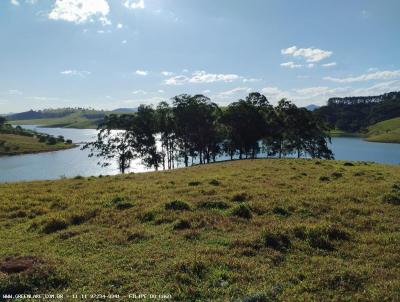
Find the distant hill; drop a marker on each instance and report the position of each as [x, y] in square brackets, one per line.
[355, 114]
[387, 131]
[312, 107]
[49, 113]
[64, 117]
[124, 110]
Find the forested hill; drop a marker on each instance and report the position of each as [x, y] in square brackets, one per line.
[52, 113]
[354, 114]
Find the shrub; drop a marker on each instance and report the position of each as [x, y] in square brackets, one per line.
[18, 214]
[195, 269]
[214, 182]
[182, 225]
[242, 211]
[336, 175]
[77, 219]
[240, 197]
[194, 183]
[191, 235]
[396, 187]
[137, 237]
[345, 280]
[120, 204]
[348, 164]
[221, 205]
[54, 225]
[281, 211]
[392, 198]
[177, 205]
[275, 240]
[148, 216]
[321, 237]
[257, 297]
[51, 140]
[324, 178]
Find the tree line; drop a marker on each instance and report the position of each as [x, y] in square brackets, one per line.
[355, 114]
[193, 129]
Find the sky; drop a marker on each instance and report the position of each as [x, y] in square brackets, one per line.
[107, 54]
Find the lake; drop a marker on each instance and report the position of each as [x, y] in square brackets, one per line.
[74, 162]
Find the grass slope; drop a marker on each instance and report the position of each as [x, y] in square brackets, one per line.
[251, 230]
[12, 144]
[386, 132]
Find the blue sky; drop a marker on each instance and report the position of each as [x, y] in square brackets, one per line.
[121, 53]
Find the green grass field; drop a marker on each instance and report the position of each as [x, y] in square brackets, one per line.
[251, 230]
[386, 132]
[12, 144]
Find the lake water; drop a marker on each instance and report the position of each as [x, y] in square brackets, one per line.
[73, 162]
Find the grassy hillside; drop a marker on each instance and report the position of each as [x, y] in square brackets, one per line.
[12, 144]
[387, 131]
[252, 230]
[73, 120]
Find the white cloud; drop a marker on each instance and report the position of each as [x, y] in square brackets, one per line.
[80, 11]
[235, 91]
[199, 77]
[142, 72]
[204, 77]
[251, 80]
[14, 92]
[311, 65]
[119, 25]
[140, 91]
[310, 54]
[177, 80]
[379, 75]
[320, 94]
[167, 73]
[80, 73]
[160, 91]
[329, 64]
[43, 98]
[132, 4]
[124, 41]
[15, 2]
[274, 93]
[291, 65]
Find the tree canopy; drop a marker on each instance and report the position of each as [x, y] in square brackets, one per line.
[354, 114]
[193, 129]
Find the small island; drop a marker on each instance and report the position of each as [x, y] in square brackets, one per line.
[16, 141]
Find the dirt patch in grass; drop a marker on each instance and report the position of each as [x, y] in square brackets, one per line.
[12, 265]
[28, 274]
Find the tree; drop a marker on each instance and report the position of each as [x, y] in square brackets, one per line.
[166, 127]
[196, 119]
[144, 133]
[246, 125]
[113, 144]
[2, 120]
